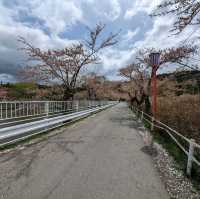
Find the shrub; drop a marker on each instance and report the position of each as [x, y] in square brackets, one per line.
[181, 113]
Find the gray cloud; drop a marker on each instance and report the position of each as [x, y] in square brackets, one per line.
[42, 23]
[7, 78]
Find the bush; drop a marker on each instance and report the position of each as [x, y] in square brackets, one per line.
[181, 113]
[22, 90]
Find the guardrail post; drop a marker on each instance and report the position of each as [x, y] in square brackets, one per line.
[47, 108]
[152, 123]
[190, 157]
[77, 106]
[142, 116]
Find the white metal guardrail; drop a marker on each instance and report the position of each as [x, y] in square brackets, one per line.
[15, 112]
[192, 145]
[20, 109]
[38, 116]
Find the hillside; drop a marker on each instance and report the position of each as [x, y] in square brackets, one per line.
[169, 84]
[179, 83]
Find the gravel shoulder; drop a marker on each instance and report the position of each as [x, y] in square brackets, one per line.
[98, 157]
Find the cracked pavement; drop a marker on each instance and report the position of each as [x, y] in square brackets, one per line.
[99, 157]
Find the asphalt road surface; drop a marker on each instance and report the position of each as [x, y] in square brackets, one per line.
[99, 157]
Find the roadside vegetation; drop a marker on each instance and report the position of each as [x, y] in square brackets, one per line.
[90, 87]
[58, 76]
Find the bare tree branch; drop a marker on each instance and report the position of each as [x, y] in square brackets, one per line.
[186, 12]
[64, 65]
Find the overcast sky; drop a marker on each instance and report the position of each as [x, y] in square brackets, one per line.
[57, 23]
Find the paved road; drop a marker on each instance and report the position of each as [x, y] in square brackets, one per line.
[97, 158]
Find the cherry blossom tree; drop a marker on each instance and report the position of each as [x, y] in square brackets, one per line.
[140, 73]
[64, 65]
[187, 12]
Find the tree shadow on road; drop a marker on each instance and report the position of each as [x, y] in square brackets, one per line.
[129, 120]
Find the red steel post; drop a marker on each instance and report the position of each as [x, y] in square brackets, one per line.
[154, 92]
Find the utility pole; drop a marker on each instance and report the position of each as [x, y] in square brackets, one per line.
[154, 61]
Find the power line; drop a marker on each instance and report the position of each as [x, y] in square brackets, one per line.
[195, 59]
[185, 40]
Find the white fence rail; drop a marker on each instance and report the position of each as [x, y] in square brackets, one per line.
[18, 109]
[24, 119]
[175, 136]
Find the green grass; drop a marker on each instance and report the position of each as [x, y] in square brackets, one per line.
[178, 155]
[161, 137]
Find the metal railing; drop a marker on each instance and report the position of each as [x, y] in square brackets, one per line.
[17, 109]
[23, 119]
[188, 146]
[12, 112]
